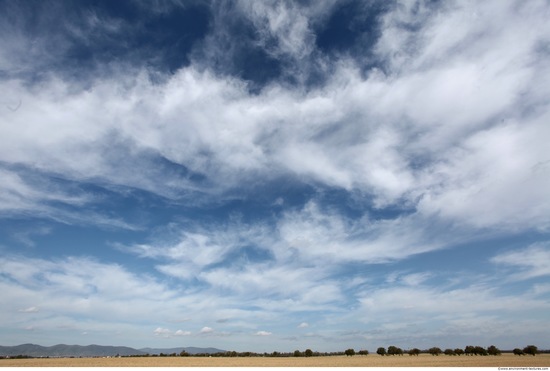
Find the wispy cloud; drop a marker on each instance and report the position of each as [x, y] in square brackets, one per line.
[527, 263]
[29, 310]
[167, 333]
[162, 332]
[362, 155]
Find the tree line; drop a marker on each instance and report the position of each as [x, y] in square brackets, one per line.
[392, 350]
[469, 350]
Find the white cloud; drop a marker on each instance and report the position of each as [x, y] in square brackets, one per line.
[417, 304]
[167, 333]
[303, 325]
[206, 330]
[414, 279]
[492, 181]
[81, 287]
[327, 235]
[540, 289]
[351, 132]
[283, 22]
[29, 310]
[312, 235]
[439, 107]
[276, 286]
[25, 236]
[529, 262]
[18, 194]
[162, 332]
[263, 333]
[185, 250]
[283, 30]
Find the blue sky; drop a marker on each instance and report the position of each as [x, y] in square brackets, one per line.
[271, 176]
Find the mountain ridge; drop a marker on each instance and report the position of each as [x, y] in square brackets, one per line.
[92, 350]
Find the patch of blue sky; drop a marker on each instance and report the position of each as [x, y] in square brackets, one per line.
[352, 24]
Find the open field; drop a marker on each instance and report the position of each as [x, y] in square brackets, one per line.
[424, 360]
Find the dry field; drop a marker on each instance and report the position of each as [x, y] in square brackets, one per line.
[424, 360]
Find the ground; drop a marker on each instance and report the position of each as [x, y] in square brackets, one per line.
[424, 360]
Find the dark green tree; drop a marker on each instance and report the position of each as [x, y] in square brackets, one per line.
[530, 349]
[308, 353]
[480, 351]
[184, 354]
[392, 350]
[414, 352]
[518, 352]
[297, 353]
[363, 352]
[469, 350]
[381, 351]
[449, 352]
[493, 351]
[459, 352]
[349, 352]
[434, 351]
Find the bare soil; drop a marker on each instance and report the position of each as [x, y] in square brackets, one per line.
[423, 360]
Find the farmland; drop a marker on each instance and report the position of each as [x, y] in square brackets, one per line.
[423, 360]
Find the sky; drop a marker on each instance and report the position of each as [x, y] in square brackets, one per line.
[275, 175]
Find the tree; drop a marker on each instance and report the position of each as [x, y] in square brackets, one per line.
[381, 351]
[392, 350]
[349, 352]
[493, 351]
[434, 351]
[449, 352]
[414, 352]
[478, 350]
[297, 353]
[308, 353]
[530, 349]
[363, 352]
[518, 352]
[459, 352]
[469, 350]
[184, 354]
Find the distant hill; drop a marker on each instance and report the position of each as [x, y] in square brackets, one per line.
[63, 350]
[190, 350]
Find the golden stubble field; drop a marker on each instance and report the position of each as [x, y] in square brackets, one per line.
[423, 360]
